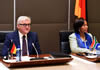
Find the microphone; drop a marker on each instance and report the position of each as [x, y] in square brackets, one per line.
[35, 50]
[7, 57]
[37, 58]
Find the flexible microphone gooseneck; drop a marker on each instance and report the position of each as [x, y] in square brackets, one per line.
[7, 57]
[37, 58]
[35, 50]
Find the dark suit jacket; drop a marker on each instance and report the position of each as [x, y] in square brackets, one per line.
[14, 36]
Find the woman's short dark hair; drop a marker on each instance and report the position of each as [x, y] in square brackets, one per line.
[78, 23]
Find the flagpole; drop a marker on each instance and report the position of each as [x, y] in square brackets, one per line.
[12, 56]
[14, 27]
[68, 15]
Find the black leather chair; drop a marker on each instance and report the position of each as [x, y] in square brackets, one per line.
[2, 39]
[64, 41]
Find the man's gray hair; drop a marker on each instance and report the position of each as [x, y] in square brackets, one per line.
[22, 18]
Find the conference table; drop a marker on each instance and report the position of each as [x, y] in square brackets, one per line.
[32, 61]
[75, 63]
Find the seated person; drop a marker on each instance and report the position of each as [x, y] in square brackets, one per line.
[22, 37]
[81, 40]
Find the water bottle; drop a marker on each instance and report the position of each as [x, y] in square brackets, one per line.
[18, 54]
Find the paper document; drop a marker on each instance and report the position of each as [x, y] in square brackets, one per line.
[25, 58]
[91, 56]
[11, 61]
[48, 58]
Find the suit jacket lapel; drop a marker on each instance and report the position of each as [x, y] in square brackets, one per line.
[16, 39]
[29, 42]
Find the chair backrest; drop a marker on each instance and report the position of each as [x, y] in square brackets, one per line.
[64, 41]
[2, 39]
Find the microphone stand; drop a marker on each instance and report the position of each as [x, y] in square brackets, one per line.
[37, 58]
[8, 56]
[35, 50]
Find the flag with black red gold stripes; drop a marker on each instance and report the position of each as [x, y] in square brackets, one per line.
[80, 9]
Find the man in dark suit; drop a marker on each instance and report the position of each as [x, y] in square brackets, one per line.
[23, 30]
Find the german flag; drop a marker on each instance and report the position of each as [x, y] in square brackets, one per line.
[13, 49]
[80, 9]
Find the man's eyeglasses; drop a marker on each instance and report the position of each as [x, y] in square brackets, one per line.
[25, 24]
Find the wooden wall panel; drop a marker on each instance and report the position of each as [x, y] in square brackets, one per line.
[43, 11]
[49, 35]
[48, 18]
[6, 15]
